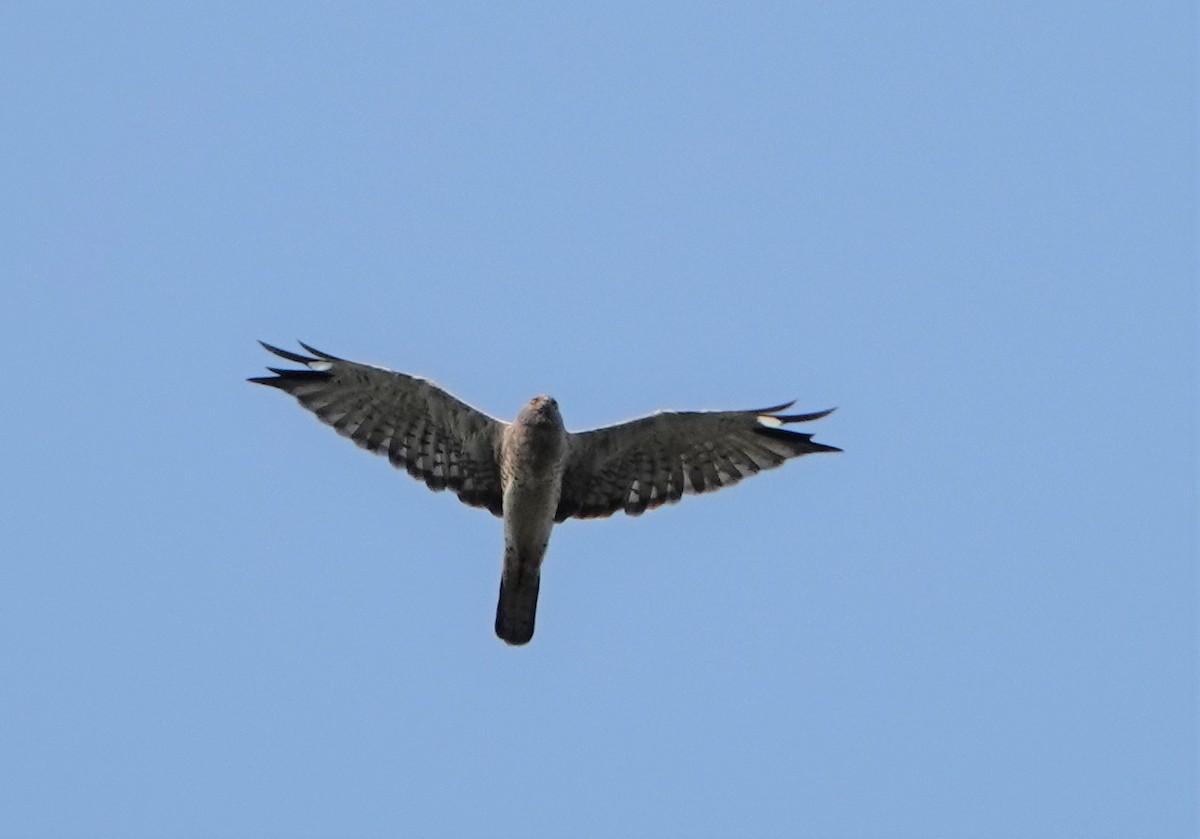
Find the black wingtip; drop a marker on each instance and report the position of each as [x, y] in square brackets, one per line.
[318, 353]
[774, 409]
[289, 355]
[799, 443]
[269, 381]
[285, 379]
[821, 447]
[773, 413]
[815, 415]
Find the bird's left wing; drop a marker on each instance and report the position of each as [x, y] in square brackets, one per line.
[420, 427]
[655, 460]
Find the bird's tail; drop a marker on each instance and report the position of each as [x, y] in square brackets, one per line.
[517, 608]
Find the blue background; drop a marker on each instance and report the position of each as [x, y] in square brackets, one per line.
[971, 226]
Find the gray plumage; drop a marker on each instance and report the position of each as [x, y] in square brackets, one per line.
[533, 472]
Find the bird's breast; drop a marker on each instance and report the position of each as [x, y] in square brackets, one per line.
[533, 453]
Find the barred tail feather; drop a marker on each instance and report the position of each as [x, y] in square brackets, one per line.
[517, 607]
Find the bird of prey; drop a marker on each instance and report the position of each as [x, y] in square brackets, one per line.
[532, 472]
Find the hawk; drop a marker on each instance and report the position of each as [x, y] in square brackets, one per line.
[532, 472]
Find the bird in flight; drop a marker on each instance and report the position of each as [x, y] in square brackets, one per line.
[532, 472]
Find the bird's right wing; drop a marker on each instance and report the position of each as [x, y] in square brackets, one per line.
[420, 427]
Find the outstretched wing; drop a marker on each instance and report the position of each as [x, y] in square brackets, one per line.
[421, 428]
[652, 461]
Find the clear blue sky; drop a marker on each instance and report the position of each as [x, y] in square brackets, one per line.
[970, 226]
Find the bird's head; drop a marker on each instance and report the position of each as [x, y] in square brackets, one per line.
[541, 410]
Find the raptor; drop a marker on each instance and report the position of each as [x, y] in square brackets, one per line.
[532, 472]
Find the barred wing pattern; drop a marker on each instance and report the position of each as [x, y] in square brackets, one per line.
[420, 427]
[648, 462]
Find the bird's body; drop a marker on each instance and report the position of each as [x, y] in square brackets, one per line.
[533, 472]
[532, 465]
